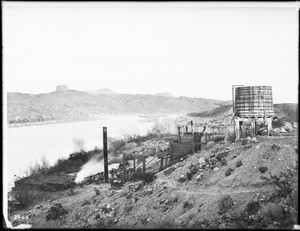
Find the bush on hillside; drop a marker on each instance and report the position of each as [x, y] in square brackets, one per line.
[252, 207]
[278, 122]
[165, 223]
[116, 145]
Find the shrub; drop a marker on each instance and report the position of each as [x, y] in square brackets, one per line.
[225, 204]
[79, 145]
[164, 126]
[86, 202]
[128, 208]
[277, 122]
[38, 167]
[147, 176]
[166, 223]
[23, 198]
[116, 145]
[252, 207]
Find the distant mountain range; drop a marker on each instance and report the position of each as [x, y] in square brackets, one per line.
[65, 104]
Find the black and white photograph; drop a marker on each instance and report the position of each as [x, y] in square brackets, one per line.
[150, 115]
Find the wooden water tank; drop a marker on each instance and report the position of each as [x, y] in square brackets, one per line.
[254, 101]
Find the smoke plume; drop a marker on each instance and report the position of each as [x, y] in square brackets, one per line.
[92, 167]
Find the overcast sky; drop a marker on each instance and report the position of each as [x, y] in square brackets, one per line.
[186, 49]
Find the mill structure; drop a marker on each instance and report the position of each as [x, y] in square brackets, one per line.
[252, 105]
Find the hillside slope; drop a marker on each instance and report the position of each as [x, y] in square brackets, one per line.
[286, 111]
[75, 105]
[252, 186]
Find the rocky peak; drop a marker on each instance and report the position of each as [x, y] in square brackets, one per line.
[62, 88]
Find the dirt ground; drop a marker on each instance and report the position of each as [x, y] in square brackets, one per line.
[226, 185]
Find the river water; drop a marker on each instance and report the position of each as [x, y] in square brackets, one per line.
[27, 144]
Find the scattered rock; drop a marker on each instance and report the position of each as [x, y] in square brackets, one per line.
[262, 169]
[222, 155]
[55, 212]
[244, 141]
[193, 169]
[168, 171]
[189, 174]
[275, 147]
[257, 147]
[223, 162]
[199, 177]
[182, 178]
[96, 191]
[229, 171]
[216, 169]
[239, 163]
[247, 146]
[201, 161]
[222, 226]
[254, 139]
[288, 127]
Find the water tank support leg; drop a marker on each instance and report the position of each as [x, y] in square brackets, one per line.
[237, 129]
[269, 122]
[253, 123]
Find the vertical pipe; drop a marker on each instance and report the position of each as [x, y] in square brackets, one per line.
[105, 154]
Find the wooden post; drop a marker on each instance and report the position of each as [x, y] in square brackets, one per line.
[124, 169]
[144, 165]
[166, 161]
[205, 137]
[105, 154]
[186, 129]
[161, 163]
[179, 137]
[134, 164]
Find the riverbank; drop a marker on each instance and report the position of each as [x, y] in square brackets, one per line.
[144, 118]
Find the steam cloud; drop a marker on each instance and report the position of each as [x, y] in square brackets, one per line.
[92, 167]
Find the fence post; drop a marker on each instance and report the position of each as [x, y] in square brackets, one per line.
[105, 154]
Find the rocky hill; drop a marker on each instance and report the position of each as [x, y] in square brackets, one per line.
[288, 112]
[64, 104]
[103, 91]
[240, 185]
